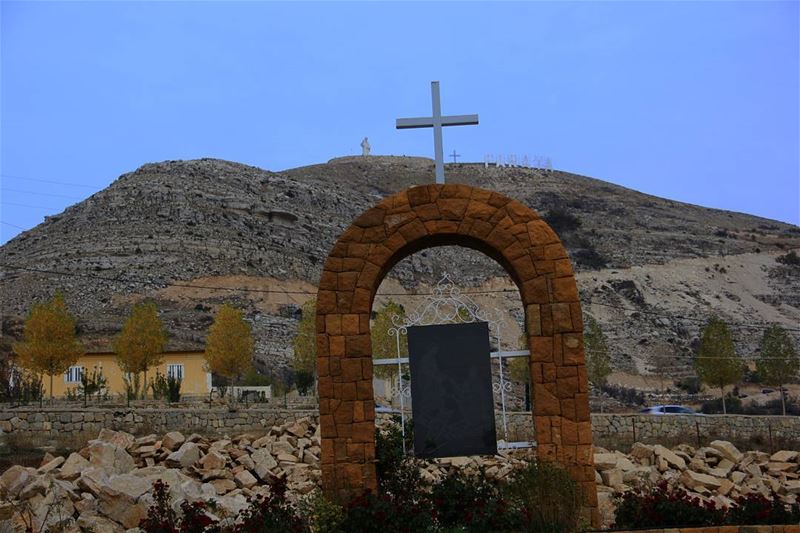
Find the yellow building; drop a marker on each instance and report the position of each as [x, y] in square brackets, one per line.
[189, 366]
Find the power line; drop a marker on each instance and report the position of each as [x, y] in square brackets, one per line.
[30, 206]
[121, 279]
[13, 225]
[42, 193]
[39, 180]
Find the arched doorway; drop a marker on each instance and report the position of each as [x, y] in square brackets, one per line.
[520, 241]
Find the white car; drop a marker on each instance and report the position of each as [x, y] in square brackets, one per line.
[668, 410]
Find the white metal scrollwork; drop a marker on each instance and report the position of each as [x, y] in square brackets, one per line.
[448, 305]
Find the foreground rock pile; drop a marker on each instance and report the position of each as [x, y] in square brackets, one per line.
[107, 486]
[717, 472]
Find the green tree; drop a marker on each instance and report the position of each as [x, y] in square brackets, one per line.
[778, 363]
[384, 344]
[140, 344]
[49, 345]
[304, 361]
[230, 345]
[717, 364]
[598, 362]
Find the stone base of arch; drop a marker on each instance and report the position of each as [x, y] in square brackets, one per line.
[529, 250]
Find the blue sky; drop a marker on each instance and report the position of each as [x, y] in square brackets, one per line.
[696, 102]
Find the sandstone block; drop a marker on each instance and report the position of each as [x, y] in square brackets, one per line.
[14, 480]
[185, 456]
[605, 461]
[727, 450]
[671, 458]
[695, 480]
[213, 460]
[245, 479]
[173, 440]
[110, 458]
[784, 456]
[51, 465]
[98, 524]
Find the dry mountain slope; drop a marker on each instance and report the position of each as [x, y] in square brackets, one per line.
[215, 223]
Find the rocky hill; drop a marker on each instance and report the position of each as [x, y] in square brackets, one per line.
[193, 234]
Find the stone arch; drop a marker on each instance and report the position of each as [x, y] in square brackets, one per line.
[517, 238]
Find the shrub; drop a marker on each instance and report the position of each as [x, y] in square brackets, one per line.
[473, 503]
[384, 513]
[665, 507]
[773, 407]
[562, 220]
[732, 403]
[321, 514]
[590, 258]
[398, 475]
[272, 514]
[161, 518]
[173, 389]
[625, 395]
[550, 500]
[791, 258]
[691, 385]
[755, 509]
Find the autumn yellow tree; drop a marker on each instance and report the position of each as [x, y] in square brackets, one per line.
[141, 343]
[304, 361]
[384, 344]
[49, 345]
[229, 345]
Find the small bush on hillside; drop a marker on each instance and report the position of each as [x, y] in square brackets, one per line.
[626, 395]
[773, 407]
[561, 220]
[713, 407]
[791, 258]
[690, 385]
[589, 257]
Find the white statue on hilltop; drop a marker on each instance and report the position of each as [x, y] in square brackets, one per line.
[365, 147]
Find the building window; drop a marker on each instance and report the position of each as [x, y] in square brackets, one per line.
[73, 374]
[175, 371]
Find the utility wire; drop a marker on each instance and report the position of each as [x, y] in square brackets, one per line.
[13, 225]
[42, 193]
[31, 206]
[146, 281]
[39, 180]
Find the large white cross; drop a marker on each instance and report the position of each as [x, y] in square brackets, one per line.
[436, 122]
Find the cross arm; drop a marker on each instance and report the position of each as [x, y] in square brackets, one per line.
[417, 122]
[460, 120]
[427, 122]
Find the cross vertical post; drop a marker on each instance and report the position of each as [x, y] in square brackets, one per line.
[437, 132]
[437, 121]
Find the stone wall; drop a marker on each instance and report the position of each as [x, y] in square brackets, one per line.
[619, 430]
[768, 431]
[64, 423]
